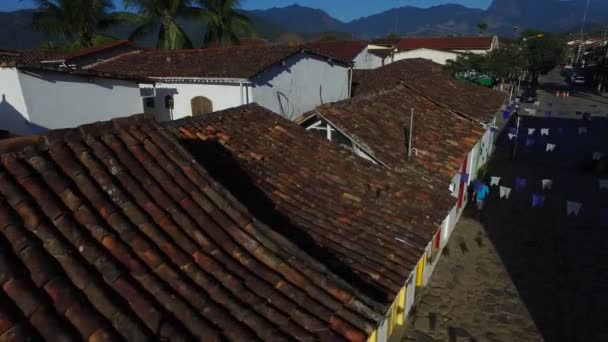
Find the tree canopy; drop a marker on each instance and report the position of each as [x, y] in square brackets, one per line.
[74, 22]
[535, 52]
[225, 24]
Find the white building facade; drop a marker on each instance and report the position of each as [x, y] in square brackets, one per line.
[289, 87]
[36, 100]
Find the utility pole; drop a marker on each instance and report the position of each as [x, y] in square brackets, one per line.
[580, 42]
[516, 137]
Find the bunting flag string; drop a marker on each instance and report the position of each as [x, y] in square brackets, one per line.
[544, 131]
[548, 113]
[531, 131]
[494, 180]
[547, 184]
[603, 184]
[597, 155]
[550, 147]
[520, 183]
[538, 201]
[506, 114]
[573, 208]
[511, 136]
[505, 192]
[582, 130]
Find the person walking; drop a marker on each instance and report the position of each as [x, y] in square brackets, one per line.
[481, 193]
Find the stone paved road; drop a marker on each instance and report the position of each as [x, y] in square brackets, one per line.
[519, 273]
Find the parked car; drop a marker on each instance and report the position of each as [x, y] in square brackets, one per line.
[578, 80]
[528, 96]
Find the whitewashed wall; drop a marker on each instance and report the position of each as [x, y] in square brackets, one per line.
[222, 95]
[436, 56]
[58, 100]
[366, 60]
[14, 116]
[303, 82]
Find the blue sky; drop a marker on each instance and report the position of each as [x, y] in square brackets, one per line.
[341, 9]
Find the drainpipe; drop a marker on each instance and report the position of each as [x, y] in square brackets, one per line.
[241, 87]
[350, 82]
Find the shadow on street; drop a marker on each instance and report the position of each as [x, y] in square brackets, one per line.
[558, 263]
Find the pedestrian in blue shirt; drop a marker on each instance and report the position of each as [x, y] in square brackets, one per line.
[481, 193]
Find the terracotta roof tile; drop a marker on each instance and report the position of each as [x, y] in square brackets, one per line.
[113, 231]
[348, 212]
[227, 62]
[346, 50]
[427, 79]
[446, 43]
[380, 122]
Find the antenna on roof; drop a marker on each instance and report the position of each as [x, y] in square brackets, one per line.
[409, 145]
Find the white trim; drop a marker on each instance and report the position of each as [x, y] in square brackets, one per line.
[203, 79]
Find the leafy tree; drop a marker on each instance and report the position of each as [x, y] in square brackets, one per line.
[542, 50]
[328, 37]
[74, 21]
[161, 16]
[225, 24]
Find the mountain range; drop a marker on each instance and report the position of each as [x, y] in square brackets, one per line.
[450, 19]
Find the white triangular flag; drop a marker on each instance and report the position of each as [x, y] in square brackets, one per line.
[505, 192]
[547, 184]
[573, 208]
[603, 183]
[550, 147]
[511, 136]
[494, 180]
[582, 130]
[544, 131]
[531, 131]
[597, 155]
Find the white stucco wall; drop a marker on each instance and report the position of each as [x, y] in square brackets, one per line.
[436, 56]
[366, 60]
[14, 116]
[58, 100]
[302, 83]
[222, 95]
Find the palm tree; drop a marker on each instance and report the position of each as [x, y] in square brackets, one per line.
[162, 15]
[74, 21]
[224, 22]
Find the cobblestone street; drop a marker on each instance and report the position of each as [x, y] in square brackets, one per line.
[519, 273]
[471, 296]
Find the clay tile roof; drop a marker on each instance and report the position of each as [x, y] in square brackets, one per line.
[446, 43]
[427, 79]
[371, 225]
[96, 49]
[112, 231]
[346, 50]
[381, 122]
[228, 62]
[27, 57]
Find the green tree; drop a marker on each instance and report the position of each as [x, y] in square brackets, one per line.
[482, 27]
[543, 51]
[161, 16]
[74, 22]
[505, 63]
[225, 23]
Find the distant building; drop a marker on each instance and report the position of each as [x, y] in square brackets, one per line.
[442, 49]
[36, 96]
[286, 80]
[356, 51]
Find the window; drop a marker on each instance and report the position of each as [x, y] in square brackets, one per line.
[169, 102]
[201, 105]
[149, 102]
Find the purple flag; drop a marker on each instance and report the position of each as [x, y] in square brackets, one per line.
[548, 114]
[529, 142]
[538, 201]
[506, 114]
[520, 183]
[464, 177]
[560, 130]
[550, 104]
[512, 130]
